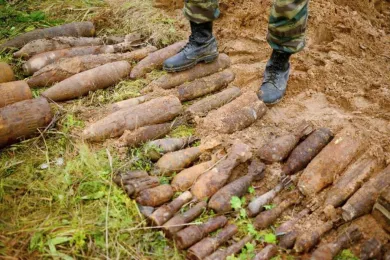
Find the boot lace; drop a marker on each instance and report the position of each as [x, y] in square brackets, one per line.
[273, 71]
[191, 42]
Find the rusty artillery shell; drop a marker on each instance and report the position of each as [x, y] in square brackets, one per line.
[21, 120]
[205, 105]
[213, 180]
[267, 253]
[91, 80]
[186, 178]
[220, 201]
[307, 241]
[13, 92]
[178, 222]
[166, 212]
[115, 124]
[277, 150]
[302, 155]
[193, 234]
[330, 250]
[134, 187]
[355, 175]
[386, 251]
[204, 86]
[237, 115]
[288, 240]
[145, 210]
[77, 29]
[288, 226]
[364, 199]
[257, 205]
[231, 250]
[155, 196]
[209, 244]
[371, 249]
[330, 162]
[144, 134]
[267, 218]
[148, 133]
[6, 73]
[134, 182]
[122, 178]
[179, 160]
[127, 103]
[168, 145]
[381, 211]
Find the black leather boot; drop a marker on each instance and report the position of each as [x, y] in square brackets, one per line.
[276, 76]
[201, 47]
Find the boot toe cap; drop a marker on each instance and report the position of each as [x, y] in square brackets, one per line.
[170, 62]
[178, 62]
[269, 94]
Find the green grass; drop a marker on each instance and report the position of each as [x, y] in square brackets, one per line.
[346, 255]
[71, 209]
[57, 199]
[19, 19]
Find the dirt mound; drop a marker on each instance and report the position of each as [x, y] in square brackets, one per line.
[343, 68]
[340, 79]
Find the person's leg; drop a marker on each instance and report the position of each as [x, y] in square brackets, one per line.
[286, 36]
[201, 11]
[202, 45]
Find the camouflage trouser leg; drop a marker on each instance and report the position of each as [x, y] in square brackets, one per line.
[287, 25]
[201, 11]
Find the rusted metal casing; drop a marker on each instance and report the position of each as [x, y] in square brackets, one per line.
[13, 92]
[381, 210]
[21, 120]
[6, 73]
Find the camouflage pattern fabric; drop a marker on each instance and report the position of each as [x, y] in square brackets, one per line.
[201, 11]
[287, 23]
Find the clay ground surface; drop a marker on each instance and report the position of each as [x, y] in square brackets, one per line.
[341, 78]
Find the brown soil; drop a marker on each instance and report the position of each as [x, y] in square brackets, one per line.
[341, 78]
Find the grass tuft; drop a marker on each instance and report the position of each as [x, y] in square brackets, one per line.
[57, 199]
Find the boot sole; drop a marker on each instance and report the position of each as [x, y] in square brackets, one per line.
[275, 102]
[206, 59]
[271, 103]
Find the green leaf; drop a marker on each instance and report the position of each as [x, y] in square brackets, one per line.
[30, 28]
[251, 190]
[59, 240]
[270, 238]
[36, 242]
[99, 240]
[65, 256]
[236, 203]
[164, 180]
[250, 247]
[94, 196]
[268, 207]
[52, 248]
[37, 16]
[346, 255]
[243, 213]
[251, 230]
